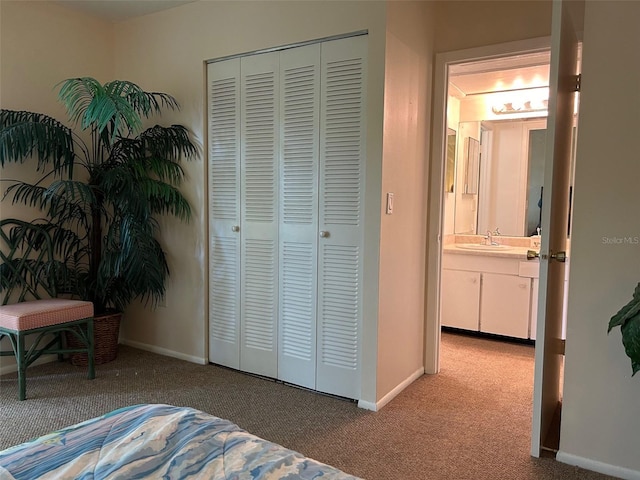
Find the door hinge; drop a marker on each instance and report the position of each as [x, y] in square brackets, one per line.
[576, 82]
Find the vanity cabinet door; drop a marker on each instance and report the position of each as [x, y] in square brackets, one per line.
[505, 305]
[460, 301]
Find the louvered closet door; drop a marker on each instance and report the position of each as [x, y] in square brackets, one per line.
[300, 115]
[342, 161]
[259, 226]
[224, 212]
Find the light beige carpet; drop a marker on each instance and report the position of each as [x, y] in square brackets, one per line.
[472, 421]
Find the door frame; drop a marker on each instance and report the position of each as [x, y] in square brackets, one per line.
[436, 182]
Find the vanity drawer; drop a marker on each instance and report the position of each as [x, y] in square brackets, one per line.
[481, 263]
[529, 269]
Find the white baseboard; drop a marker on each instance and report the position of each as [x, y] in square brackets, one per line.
[13, 367]
[164, 351]
[367, 405]
[600, 467]
[393, 393]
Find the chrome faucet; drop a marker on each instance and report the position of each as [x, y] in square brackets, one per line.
[488, 240]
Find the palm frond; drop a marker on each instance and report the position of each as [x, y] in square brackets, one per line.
[134, 259]
[67, 243]
[104, 108]
[77, 94]
[130, 188]
[147, 196]
[164, 199]
[164, 170]
[151, 103]
[129, 155]
[71, 192]
[62, 201]
[25, 134]
[156, 151]
[171, 142]
[124, 150]
[120, 186]
[26, 194]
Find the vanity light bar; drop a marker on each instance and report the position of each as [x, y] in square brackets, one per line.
[526, 107]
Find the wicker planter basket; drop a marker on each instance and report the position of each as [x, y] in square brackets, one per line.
[106, 329]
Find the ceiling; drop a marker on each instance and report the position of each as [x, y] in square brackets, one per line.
[119, 10]
[499, 75]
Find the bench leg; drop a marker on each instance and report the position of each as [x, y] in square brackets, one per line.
[60, 346]
[22, 367]
[91, 350]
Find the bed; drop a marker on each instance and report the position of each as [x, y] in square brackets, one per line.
[158, 441]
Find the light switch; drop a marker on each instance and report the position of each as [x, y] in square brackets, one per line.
[389, 203]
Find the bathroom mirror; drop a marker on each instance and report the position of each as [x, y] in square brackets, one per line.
[450, 173]
[471, 165]
[535, 180]
[500, 185]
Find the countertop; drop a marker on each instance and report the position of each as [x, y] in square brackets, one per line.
[516, 253]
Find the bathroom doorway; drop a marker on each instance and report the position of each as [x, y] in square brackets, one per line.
[472, 185]
[496, 121]
[496, 124]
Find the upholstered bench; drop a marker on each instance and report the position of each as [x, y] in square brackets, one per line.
[43, 317]
[27, 268]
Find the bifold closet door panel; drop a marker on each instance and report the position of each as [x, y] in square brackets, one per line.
[287, 155]
[260, 121]
[341, 215]
[300, 124]
[223, 84]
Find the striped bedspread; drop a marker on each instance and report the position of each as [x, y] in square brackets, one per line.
[158, 441]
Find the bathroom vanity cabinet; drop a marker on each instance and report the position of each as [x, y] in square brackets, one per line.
[491, 294]
[461, 299]
[505, 306]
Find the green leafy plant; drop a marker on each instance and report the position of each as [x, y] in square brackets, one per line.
[100, 198]
[628, 319]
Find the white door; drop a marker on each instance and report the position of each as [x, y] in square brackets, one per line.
[567, 21]
[341, 214]
[300, 113]
[223, 84]
[260, 119]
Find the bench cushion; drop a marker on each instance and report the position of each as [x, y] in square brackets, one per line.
[43, 313]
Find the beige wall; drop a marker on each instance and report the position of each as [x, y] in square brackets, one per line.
[403, 234]
[166, 51]
[601, 409]
[41, 44]
[471, 23]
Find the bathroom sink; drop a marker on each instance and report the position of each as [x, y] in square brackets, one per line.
[477, 247]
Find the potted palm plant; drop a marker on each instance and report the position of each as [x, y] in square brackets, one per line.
[628, 319]
[101, 190]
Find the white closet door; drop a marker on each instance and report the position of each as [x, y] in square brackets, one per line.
[300, 94]
[342, 161]
[259, 227]
[223, 84]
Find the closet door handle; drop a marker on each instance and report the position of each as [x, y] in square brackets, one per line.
[324, 233]
[235, 228]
